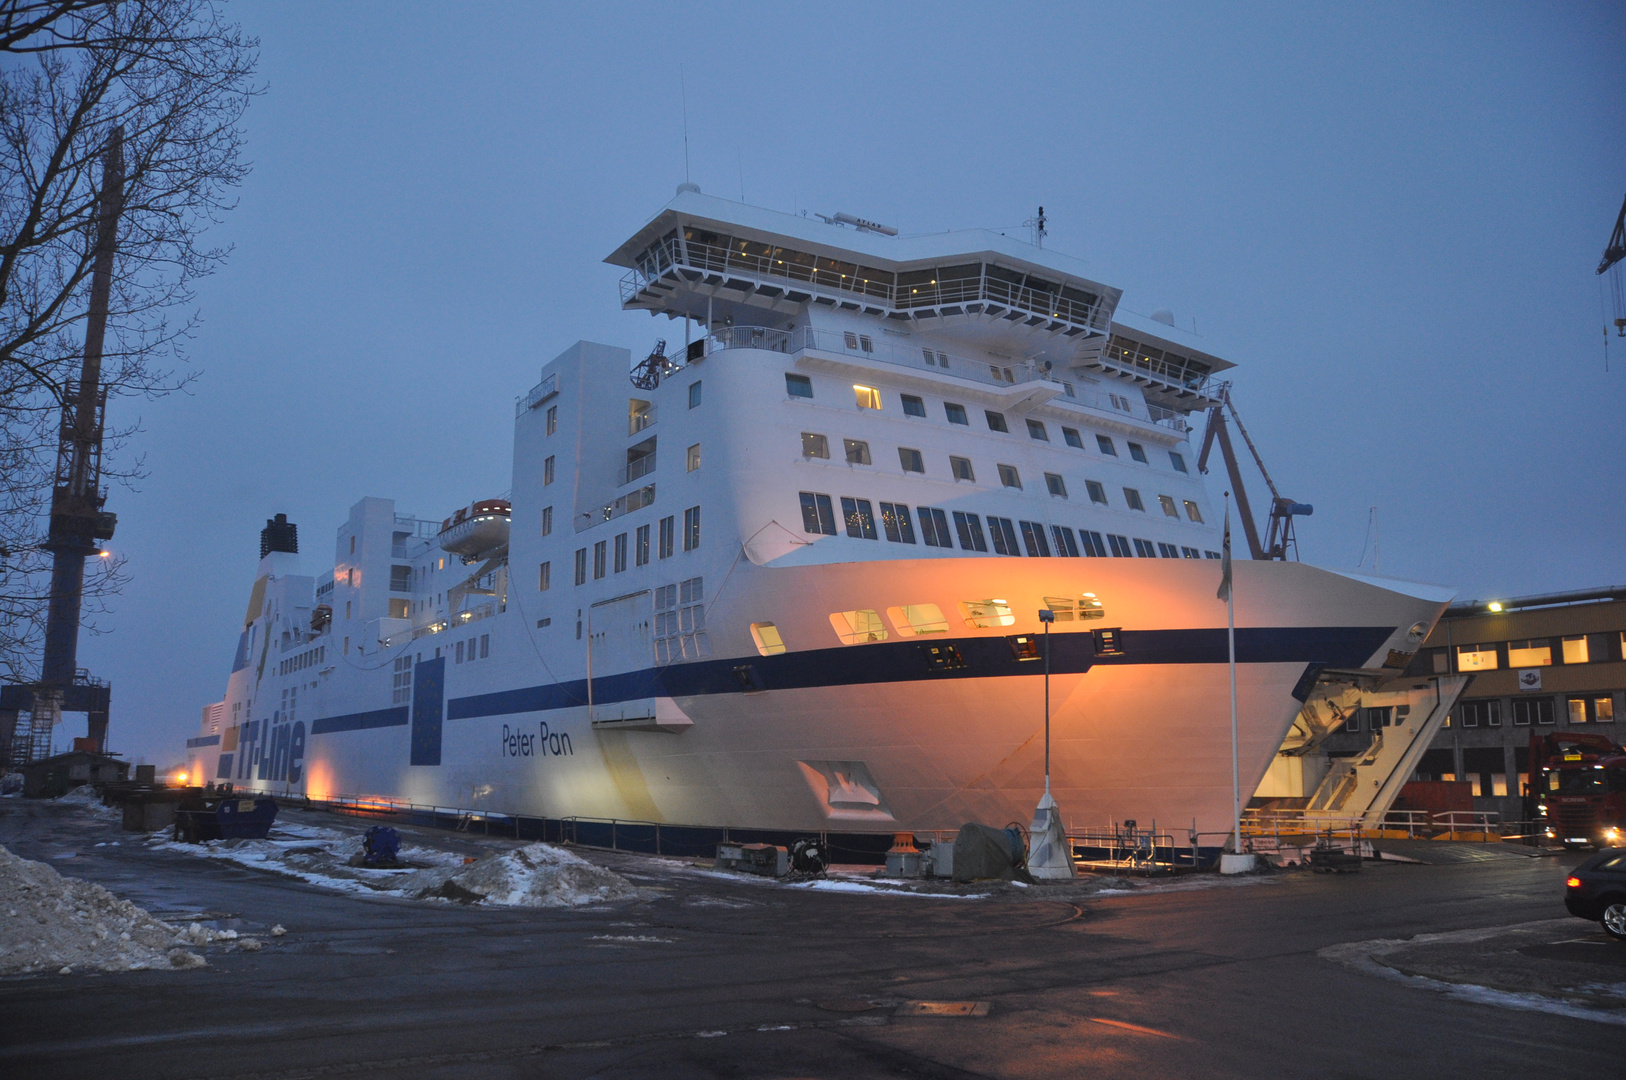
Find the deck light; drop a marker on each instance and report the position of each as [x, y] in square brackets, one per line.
[1494, 605]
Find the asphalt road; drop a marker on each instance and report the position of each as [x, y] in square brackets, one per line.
[718, 979]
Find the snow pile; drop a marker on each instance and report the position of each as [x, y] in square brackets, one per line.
[535, 876]
[85, 797]
[315, 855]
[53, 923]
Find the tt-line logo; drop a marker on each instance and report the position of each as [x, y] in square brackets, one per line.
[543, 742]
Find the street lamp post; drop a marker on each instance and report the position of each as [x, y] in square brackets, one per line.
[1049, 853]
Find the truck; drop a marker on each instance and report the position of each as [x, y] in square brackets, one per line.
[1578, 788]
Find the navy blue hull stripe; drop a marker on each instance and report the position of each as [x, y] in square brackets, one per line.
[378, 718]
[905, 661]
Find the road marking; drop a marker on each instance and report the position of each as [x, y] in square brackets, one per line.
[1138, 1028]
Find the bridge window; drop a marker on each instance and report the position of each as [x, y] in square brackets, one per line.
[985, 614]
[858, 627]
[914, 620]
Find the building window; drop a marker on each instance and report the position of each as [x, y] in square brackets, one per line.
[867, 397]
[860, 518]
[955, 413]
[815, 446]
[1169, 509]
[996, 421]
[1094, 546]
[667, 530]
[913, 406]
[1003, 534]
[544, 577]
[1106, 445]
[1193, 513]
[911, 460]
[1071, 437]
[896, 524]
[1098, 494]
[969, 527]
[767, 639]
[1065, 543]
[1057, 486]
[817, 514]
[553, 419]
[1036, 431]
[1536, 653]
[691, 528]
[934, 528]
[1178, 462]
[1009, 476]
[1033, 540]
[961, 467]
[694, 395]
[547, 471]
[1575, 650]
[1132, 498]
[857, 451]
[1576, 710]
[1528, 711]
[1138, 452]
[798, 386]
[1603, 710]
[600, 550]
[581, 566]
[620, 553]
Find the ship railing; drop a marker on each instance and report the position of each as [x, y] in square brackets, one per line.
[1125, 848]
[636, 469]
[1174, 376]
[640, 419]
[823, 275]
[1290, 825]
[626, 504]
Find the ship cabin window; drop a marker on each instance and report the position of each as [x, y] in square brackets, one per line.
[547, 470]
[969, 528]
[1004, 535]
[896, 524]
[691, 528]
[1537, 653]
[400, 578]
[600, 560]
[1065, 543]
[867, 397]
[1211, 554]
[766, 636]
[1072, 438]
[552, 420]
[1106, 445]
[1193, 513]
[694, 394]
[352, 545]
[640, 546]
[1036, 430]
[544, 577]
[1120, 546]
[1575, 650]
[1034, 541]
[934, 529]
[955, 413]
[850, 339]
[815, 446]
[1098, 494]
[1190, 553]
[860, 518]
[581, 566]
[621, 553]
[1138, 452]
[547, 521]
[911, 460]
[1094, 546]
[986, 614]
[961, 467]
[857, 627]
[1056, 485]
[996, 421]
[1168, 551]
[1177, 461]
[1010, 477]
[1132, 497]
[913, 406]
[1169, 509]
[1477, 658]
[692, 458]
[917, 620]
[798, 386]
[1144, 549]
[857, 451]
[400, 609]
[668, 530]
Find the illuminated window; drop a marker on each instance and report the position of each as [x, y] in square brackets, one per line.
[1536, 653]
[766, 636]
[815, 446]
[914, 620]
[1193, 513]
[1576, 708]
[868, 397]
[984, 614]
[858, 627]
[1603, 710]
[1169, 509]
[896, 524]
[1476, 658]
[818, 515]
[1575, 650]
[860, 518]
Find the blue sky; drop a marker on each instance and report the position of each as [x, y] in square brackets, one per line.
[1387, 215]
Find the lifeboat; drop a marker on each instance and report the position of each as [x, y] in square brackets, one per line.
[477, 530]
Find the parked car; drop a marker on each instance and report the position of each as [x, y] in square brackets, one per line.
[1597, 890]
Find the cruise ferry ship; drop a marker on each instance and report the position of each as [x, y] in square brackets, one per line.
[786, 570]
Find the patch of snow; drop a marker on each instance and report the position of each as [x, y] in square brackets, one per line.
[534, 876]
[85, 798]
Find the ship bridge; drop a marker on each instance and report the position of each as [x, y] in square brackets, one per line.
[725, 264]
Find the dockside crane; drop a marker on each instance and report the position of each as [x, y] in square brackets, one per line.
[1610, 264]
[79, 521]
[1280, 543]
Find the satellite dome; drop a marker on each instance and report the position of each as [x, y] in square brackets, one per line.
[1164, 316]
[686, 186]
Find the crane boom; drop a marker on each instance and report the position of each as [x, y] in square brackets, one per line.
[1616, 250]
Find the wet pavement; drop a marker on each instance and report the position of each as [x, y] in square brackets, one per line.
[1288, 974]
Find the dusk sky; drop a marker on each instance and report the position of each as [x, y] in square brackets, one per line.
[1387, 215]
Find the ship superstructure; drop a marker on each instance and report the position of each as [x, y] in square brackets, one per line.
[787, 573]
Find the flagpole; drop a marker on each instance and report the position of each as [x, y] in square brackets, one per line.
[1230, 642]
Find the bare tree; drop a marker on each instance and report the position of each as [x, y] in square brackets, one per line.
[175, 77]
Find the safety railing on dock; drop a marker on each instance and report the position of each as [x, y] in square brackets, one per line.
[1474, 825]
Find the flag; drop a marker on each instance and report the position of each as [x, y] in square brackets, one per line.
[1225, 560]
